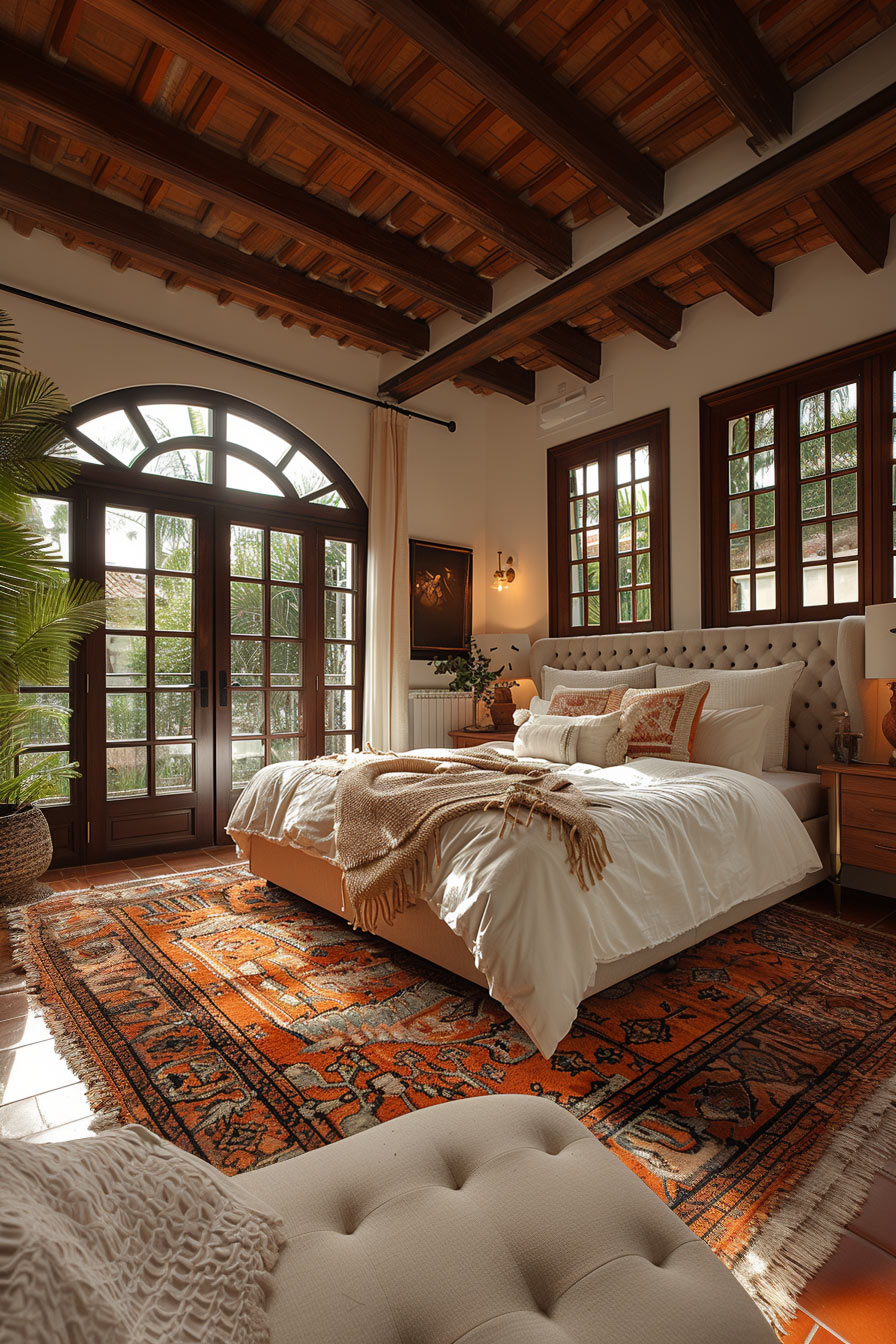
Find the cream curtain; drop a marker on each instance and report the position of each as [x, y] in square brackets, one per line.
[387, 664]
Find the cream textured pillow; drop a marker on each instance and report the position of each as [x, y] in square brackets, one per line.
[549, 737]
[734, 738]
[737, 688]
[586, 700]
[602, 740]
[552, 677]
[662, 722]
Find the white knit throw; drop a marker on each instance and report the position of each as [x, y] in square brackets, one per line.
[125, 1238]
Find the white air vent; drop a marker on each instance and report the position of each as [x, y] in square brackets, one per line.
[579, 404]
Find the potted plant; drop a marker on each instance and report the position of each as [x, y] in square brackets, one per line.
[471, 672]
[44, 615]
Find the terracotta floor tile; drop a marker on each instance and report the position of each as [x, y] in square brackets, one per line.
[32, 1070]
[887, 924]
[11, 982]
[105, 874]
[864, 907]
[190, 864]
[64, 1105]
[854, 1293]
[76, 1129]
[20, 1031]
[798, 1330]
[19, 1119]
[151, 866]
[821, 1335]
[227, 853]
[876, 1221]
[816, 898]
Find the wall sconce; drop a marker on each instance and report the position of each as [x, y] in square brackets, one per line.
[503, 577]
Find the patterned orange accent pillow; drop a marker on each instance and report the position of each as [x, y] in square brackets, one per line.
[587, 700]
[663, 723]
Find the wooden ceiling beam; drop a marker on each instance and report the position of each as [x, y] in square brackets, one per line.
[571, 349]
[847, 142]
[56, 202]
[854, 220]
[67, 102]
[463, 38]
[740, 273]
[504, 376]
[648, 310]
[232, 47]
[63, 28]
[719, 40]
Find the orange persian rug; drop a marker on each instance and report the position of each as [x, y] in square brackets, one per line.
[749, 1082]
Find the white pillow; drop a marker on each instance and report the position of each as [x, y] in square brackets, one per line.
[549, 737]
[734, 738]
[552, 677]
[601, 740]
[737, 688]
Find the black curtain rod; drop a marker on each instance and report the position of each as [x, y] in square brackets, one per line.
[450, 425]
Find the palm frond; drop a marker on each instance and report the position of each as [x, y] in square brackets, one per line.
[10, 344]
[29, 399]
[47, 626]
[25, 559]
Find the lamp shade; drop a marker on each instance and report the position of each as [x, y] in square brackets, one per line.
[507, 651]
[880, 640]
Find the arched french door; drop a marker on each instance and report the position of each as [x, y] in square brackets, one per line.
[232, 550]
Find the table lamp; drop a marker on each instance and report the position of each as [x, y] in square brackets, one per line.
[510, 654]
[880, 660]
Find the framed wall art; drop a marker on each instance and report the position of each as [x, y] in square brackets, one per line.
[441, 599]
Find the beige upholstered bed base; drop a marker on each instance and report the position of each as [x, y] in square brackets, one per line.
[420, 930]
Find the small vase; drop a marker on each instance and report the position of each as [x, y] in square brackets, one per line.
[473, 725]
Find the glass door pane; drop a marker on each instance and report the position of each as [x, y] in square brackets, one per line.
[155, 782]
[261, 701]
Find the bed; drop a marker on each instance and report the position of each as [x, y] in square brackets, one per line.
[446, 927]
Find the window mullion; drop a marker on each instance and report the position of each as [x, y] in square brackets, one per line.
[609, 557]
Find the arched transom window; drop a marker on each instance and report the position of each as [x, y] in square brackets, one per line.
[190, 434]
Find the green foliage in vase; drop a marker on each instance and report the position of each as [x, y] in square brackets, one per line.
[471, 672]
[44, 614]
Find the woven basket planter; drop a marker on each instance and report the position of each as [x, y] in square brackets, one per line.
[26, 849]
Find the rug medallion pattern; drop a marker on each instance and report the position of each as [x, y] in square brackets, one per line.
[247, 1025]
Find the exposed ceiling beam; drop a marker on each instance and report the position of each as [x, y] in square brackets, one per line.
[503, 375]
[233, 48]
[462, 37]
[718, 39]
[854, 220]
[844, 144]
[571, 349]
[55, 201]
[740, 273]
[66, 102]
[649, 311]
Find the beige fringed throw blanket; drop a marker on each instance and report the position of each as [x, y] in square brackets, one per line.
[390, 811]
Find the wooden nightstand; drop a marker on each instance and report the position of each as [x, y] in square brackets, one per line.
[862, 819]
[470, 737]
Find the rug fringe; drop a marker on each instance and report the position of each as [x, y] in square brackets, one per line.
[800, 1234]
[106, 1111]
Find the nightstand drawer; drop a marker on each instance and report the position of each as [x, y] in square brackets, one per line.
[871, 811]
[868, 849]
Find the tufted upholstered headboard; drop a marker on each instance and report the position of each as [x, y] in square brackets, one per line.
[833, 651]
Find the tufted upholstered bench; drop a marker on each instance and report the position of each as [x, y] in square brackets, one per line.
[494, 1220]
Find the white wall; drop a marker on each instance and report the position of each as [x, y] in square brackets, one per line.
[822, 301]
[446, 501]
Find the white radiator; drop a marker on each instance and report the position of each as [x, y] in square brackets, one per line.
[432, 715]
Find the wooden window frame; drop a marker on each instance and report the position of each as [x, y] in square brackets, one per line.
[868, 363]
[652, 430]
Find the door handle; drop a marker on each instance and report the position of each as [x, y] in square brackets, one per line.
[203, 690]
[222, 688]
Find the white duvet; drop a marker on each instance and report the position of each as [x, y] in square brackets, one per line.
[687, 842]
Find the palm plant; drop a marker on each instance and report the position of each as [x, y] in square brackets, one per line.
[44, 614]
